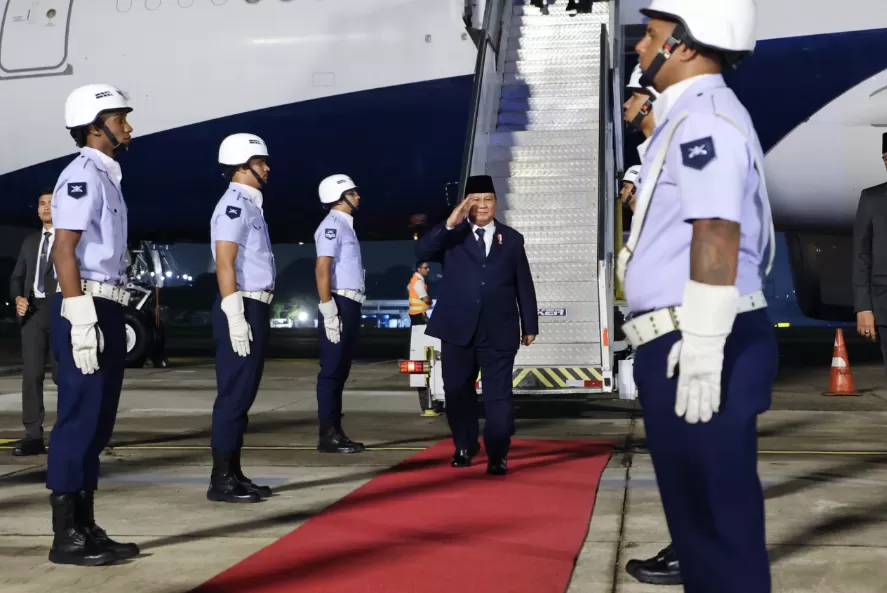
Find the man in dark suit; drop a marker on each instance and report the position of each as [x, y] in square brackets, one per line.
[486, 296]
[31, 287]
[870, 261]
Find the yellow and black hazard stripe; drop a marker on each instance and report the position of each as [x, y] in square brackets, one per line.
[553, 378]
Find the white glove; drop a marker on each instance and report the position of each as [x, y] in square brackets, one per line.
[332, 323]
[86, 336]
[238, 329]
[706, 317]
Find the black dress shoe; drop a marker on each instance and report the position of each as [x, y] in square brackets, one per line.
[85, 515]
[463, 457]
[70, 543]
[331, 441]
[223, 485]
[661, 569]
[343, 438]
[262, 491]
[497, 466]
[27, 447]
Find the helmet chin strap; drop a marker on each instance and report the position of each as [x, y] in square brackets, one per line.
[644, 112]
[347, 201]
[258, 177]
[648, 76]
[116, 146]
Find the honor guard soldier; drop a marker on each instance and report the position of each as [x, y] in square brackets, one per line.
[340, 285]
[241, 316]
[86, 324]
[692, 269]
[638, 108]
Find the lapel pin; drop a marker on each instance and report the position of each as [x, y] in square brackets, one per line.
[500, 238]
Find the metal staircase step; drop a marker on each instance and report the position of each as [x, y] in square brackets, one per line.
[553, 43]
[523, 89]
[543, 138]
[572, 332]
[563, 272]
[545, 184]
[579, 35]
[562, 235]
[531, 201]
[524, 69]
[542, 355]
[566, 292]
[586, 119]
[561, 55]
[541, 169]
[543, 154]
[558, 17]
[545, 219]
[552, 103]
[572, 75]
[545, 254]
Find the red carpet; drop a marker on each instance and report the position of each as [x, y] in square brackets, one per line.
[424, 527]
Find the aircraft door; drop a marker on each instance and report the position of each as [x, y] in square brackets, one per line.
[34, 38]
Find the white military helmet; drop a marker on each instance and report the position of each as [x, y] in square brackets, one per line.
[332, 188]
[238, 149]
[728, 25]
[85, 103]
[634, 83]
[631, 176]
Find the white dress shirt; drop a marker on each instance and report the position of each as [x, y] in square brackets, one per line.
[489, 231]
[38, 294]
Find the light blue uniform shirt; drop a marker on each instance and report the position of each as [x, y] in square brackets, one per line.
[87, 198]
[335, 238]
[709, 172]
[238, 218]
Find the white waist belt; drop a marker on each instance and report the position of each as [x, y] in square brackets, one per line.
[118, 294]
[258, 295]
[650, 326]
[352, 294]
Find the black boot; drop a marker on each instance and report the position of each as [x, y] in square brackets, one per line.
[223, 485]
[661, 569]
[71, 544]
[344, 437]
[331, 441]
[262, 491]
[85, 513]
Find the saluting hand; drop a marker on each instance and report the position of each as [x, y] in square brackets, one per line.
[461, 211]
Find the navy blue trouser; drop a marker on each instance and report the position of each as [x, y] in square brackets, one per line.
[707, 472]
[87, 404]
[460, 367]
[335, 360]
[237, 377]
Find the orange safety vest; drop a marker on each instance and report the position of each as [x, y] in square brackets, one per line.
[417, 305]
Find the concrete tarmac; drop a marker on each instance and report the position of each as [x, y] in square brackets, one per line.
[823, 462]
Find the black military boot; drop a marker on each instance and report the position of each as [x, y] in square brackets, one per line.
[223, 485]
[262, 491]
[344, 437]
[331, 440]
[85, 515]
[71, 544]
[661, 569]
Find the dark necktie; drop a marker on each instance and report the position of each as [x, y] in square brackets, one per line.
[43, 261]
[480, 242]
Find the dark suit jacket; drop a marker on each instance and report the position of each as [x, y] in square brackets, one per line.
[870, 253]
[496, 292]
[22, 280]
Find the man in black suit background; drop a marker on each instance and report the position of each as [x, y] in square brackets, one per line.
[486, 296]
[32, 286]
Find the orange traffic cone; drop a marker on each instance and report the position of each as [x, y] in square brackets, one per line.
[841, 380]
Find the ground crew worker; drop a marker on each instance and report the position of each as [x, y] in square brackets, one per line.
[245, 270]
[340, 284]
[420, 302]
[693, 282]
[86, 325]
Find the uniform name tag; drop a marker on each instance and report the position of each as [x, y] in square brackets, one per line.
[329, 234]
[698, 153]
[232, 212]
[77, 190]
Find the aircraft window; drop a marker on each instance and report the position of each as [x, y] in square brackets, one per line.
[186, 3]
[124, 5]
[50, 14]
[152, 4]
